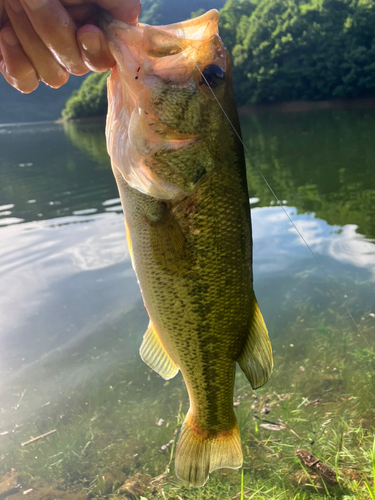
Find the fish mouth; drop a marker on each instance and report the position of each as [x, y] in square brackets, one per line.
[172, 52]
[153, 64]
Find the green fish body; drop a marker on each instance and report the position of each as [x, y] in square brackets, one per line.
[181, 174]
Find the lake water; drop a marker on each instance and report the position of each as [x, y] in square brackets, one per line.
[72, 318]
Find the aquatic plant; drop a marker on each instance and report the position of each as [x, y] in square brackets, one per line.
[320, 398]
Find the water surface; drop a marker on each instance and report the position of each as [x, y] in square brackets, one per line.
[71, 314]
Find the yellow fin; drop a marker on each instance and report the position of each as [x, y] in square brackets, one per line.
[129, 240]
[155, 356]
[256, 358]
[197, 454]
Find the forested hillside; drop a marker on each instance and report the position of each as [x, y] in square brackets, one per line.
[90, 100]
[300, 49]
[284, 50]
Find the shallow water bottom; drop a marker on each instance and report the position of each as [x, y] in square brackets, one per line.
[72, 320]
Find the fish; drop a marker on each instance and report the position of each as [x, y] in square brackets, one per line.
[173, 136]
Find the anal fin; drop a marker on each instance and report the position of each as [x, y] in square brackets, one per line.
[255, 359]
[155, 356]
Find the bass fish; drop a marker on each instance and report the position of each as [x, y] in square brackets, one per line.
[181, 175]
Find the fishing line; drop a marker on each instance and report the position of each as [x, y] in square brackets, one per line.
[285, 212]
[330, 280]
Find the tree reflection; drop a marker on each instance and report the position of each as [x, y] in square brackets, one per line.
[318, 161]
[89, 137]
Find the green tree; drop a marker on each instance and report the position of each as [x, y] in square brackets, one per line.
[282, 50]
[232, 16]
[90, 100]
[296, 49]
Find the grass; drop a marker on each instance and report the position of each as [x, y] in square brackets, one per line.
[116, 439]
[371, 489]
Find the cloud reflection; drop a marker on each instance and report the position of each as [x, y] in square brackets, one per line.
[67, 280]
[277, 243]
[43, 265]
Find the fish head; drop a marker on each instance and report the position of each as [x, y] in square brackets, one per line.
[165, 96]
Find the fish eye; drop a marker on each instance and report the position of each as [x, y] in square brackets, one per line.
[212, 75]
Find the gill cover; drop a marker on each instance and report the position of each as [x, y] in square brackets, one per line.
[152, 61]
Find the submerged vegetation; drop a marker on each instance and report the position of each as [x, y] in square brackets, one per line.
[281, 50]
[115, 440]
[117, 424]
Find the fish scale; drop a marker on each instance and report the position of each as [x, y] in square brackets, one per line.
[187, 218]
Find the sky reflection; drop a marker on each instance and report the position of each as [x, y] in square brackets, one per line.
[277, 243]
[60, 277]
[71, 305]
[54, 277]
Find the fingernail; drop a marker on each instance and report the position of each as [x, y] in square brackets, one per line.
[35, 4]
[91, 43]
[9, 37]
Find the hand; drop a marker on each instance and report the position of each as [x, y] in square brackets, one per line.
[49, 39]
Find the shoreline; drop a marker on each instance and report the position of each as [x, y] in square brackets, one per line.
[279, 107]
[246, 109]
[300, 106]
[92, 119]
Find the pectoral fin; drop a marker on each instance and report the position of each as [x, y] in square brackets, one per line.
[170, 248]
[155, 356]
[256, 358]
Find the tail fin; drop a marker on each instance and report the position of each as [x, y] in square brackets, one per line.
[197, 455]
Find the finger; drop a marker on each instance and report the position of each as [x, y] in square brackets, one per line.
[95, 50]
[16, 67]
[47, 68]
[124, 10]
[58, 32]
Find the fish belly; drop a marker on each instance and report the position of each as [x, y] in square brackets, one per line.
[193, 263]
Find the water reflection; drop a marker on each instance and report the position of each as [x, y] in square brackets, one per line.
[65, 257]
[89, 137]
[319, 161]
[56, 178]
[71, 315]
[56, 278]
